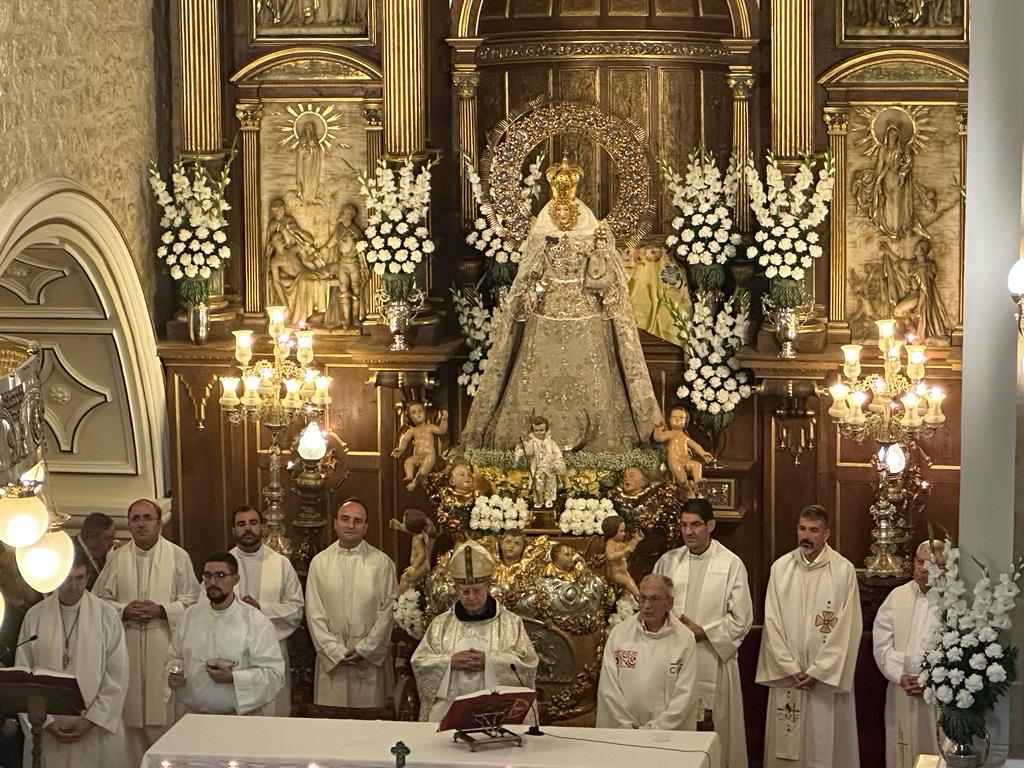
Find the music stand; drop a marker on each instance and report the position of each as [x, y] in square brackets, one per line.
[480, 720]
[39, 695]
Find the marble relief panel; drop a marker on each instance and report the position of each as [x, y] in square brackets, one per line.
[902, 19]
[313, 18]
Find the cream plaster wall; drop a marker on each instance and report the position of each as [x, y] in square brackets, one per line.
[77, 101]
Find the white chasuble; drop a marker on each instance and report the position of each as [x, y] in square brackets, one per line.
[240, 635]
[812, 625]
[349, 605]
[164, 575]
[648, 678]
[270, 579]
[99, 662]
[720, 604]
[903, 624]
[504, 641]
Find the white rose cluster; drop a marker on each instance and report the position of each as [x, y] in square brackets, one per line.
[408, 614]
[713, 382]
[965, 667]
[625, 608]
[702, 233]
[583, 516]
[499, 513]
[194, 241]
[396, 238]
[787, 241]
[478, 324]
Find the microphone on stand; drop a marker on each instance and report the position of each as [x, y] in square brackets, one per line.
[23, 642]
[533, 730]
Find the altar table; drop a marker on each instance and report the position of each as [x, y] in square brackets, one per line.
[223, 741]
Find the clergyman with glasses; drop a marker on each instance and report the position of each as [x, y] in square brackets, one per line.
[224, 658]
[650, 669]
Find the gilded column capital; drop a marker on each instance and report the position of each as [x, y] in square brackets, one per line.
[373, 113]
[837, 120]
[249, 116]
[741, 83]
[466, 84]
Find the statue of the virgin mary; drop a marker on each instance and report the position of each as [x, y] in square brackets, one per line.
[567, 346]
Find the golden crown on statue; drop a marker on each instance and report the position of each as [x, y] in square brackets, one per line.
[563, 179]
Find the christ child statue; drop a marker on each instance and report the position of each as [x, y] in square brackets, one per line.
[544, 457]
[686, 470]
[422, 435]
[424, 533]
[617, 549]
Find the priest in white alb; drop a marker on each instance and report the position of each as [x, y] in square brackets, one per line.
[267, 581]
[902, 625]
[712, 598]
[649, 670]
[224, 658]
[80, 634]
[477, 644]
[150, 582]
[350, 594]
[812, 628]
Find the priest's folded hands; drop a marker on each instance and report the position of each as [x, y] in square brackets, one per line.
[803, 681]
[468, 661]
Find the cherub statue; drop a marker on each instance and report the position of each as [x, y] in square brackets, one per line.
[546, 463]
[617, 549]
[686, 470]
[424, 534]
[634, 482]
[511, 547]
[565, 562]
[422, 434]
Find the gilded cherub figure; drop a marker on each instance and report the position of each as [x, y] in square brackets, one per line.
[545, 460]
[617, 549]
[424, 533]
[565, 562]
[423, 436]
[687, 471]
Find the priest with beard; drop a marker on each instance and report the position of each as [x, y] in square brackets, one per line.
[267, 581]
[475, 645]
[812, 627]
[224, 658]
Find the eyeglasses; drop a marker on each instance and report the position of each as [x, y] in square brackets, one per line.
[641, 599]
[218, 576]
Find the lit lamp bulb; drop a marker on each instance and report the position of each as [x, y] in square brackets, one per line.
[911, 418]
[229, 393]
[935, 416]
[915, 362]
[851, 361]
[879, 400]
[839, 407]
[291, 398]
[23, 519]
[856, 416]
[304, 350]
[321, 397]
[312, 446]
[46, 564]
[243, 346]
[308, 383]
[886, 334]
[275, 317]
[252, 391]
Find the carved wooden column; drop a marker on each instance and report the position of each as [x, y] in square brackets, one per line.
[373, 113]
[792, 77]
[465, 86]
[199, 58]
[837, 120]
[403, 62]
[249, 115]
[740, 79]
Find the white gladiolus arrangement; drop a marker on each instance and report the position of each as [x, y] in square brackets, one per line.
[583, 516]
[194, 241]
[397, 239]
[789, 218]
[499, 513]
[714, 384]
[966, 665]
[478, 323]
[702, 232]
[408, 614]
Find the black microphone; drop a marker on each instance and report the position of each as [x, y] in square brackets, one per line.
[533, 730]
[26, 640]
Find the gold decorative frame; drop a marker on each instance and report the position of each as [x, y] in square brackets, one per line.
[513, 139]
[929, 39]
[370, 38]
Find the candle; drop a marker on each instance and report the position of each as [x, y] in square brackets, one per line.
[935, 416]
[304, 349]
[851, 364]
[910, 418]
[886, 329]
[229, 391]
[322, 397]
[839, 409]
[243, 346]
[312, 446]
[857, 416]
[251, 397]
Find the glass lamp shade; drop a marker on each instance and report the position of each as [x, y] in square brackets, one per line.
[23, 520]
[1015, 280]
[46, 564]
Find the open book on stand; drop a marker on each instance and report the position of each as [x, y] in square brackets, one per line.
[488, 708]
[57, 688]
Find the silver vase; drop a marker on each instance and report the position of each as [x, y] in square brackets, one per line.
[960, 754]
[198, 323]
[398, 313]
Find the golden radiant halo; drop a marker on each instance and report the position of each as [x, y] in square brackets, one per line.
[324, 118]
[513, 139]
[867, 131]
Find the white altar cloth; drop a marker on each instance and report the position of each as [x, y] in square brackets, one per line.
[225, 741]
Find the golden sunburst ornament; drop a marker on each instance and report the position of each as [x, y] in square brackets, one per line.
[305, 122]
[870, 124]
